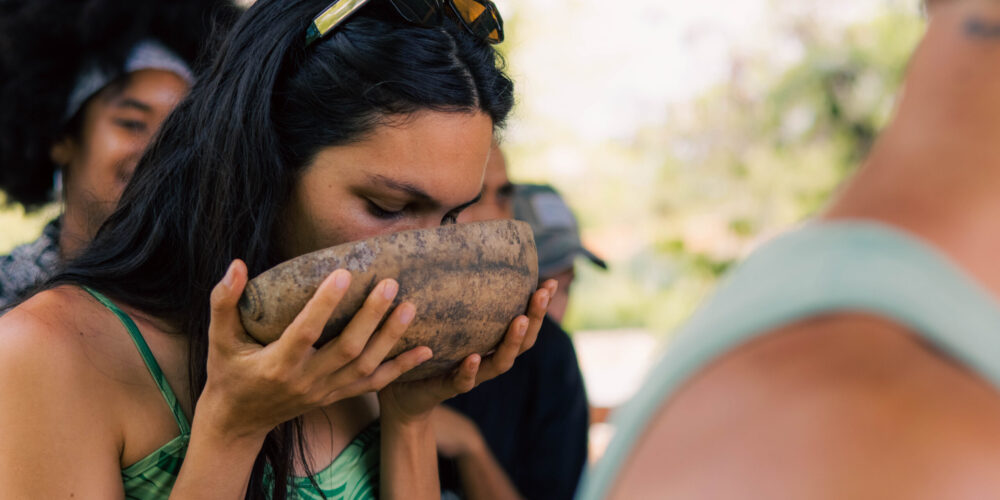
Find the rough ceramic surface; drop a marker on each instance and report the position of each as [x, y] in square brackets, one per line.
[468, 282]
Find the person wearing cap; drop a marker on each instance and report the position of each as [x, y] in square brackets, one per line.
[524, 433]
[557, 237]
[84, 87]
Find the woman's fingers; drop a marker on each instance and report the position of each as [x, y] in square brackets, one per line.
[352, 340]
[378, 347]
[537, 308]
[552, 286]
[307, 327]
[389, 371]
[503, 357]
[462, 379]
[465, 378]
[225, 329]
[385, 374]
[520, 336]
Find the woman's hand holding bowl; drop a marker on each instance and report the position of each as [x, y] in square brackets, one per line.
[409, 401]
[252, 388]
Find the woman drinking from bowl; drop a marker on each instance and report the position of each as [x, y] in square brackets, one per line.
[131, 375]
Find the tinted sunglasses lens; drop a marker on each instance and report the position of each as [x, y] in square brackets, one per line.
[481, 17]
[421, 12]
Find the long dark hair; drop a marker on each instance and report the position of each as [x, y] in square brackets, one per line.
[212, 186]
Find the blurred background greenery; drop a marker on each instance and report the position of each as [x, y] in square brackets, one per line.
[683, 134]
[20, 227]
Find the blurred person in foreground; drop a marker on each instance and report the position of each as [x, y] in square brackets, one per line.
[523, 434]
[557, 236]
[84, 86]
[858, 356]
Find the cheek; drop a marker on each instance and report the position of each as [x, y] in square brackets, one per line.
[314, 223]
[109, 156]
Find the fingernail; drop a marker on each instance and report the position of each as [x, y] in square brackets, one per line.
[230, 275]
[389, 289]
[522, 327]
[545, 301]
[343, 279]
[426, 354]
[406, 315]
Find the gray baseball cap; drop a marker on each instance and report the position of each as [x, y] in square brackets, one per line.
[147, 54]
[557, 234]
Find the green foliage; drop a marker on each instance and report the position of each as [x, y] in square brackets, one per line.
[19, 227]
[747, 160]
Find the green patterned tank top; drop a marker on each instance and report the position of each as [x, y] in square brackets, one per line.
[353, 475]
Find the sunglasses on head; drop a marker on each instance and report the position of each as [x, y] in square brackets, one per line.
[480, 17]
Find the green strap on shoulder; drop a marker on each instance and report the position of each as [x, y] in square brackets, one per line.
[149, 359]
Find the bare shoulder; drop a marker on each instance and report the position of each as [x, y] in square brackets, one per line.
[64, 340]
[53, 410]
[42, 328]
[849, 406]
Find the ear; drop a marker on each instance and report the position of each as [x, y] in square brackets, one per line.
[63, 151]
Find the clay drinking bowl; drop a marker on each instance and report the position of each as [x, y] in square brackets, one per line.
[467, 281]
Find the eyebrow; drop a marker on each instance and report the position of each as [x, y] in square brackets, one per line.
[129, 102]
[418, 194]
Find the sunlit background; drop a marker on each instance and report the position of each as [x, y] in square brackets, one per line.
[683, 134]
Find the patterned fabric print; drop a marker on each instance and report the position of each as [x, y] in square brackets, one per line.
[153, 477]
[353, 475]
[29, 265]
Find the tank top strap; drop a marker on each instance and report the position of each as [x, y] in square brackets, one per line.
[148, 359]
[821, 268]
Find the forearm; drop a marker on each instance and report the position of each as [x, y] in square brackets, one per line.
[216, 466]
[409, 461]
[483, 478]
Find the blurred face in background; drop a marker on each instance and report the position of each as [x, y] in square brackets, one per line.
[496, 201]
[115, 126]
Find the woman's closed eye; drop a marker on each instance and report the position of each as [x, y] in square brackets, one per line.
[380, 212]
[134, 126]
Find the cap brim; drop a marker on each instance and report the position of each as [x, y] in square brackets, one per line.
[599, 262]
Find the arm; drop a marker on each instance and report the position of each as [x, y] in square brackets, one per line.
[481, 475]
[409, 466]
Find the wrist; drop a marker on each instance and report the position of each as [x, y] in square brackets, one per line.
[216, 421]
[408, 427]
[391, 412]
